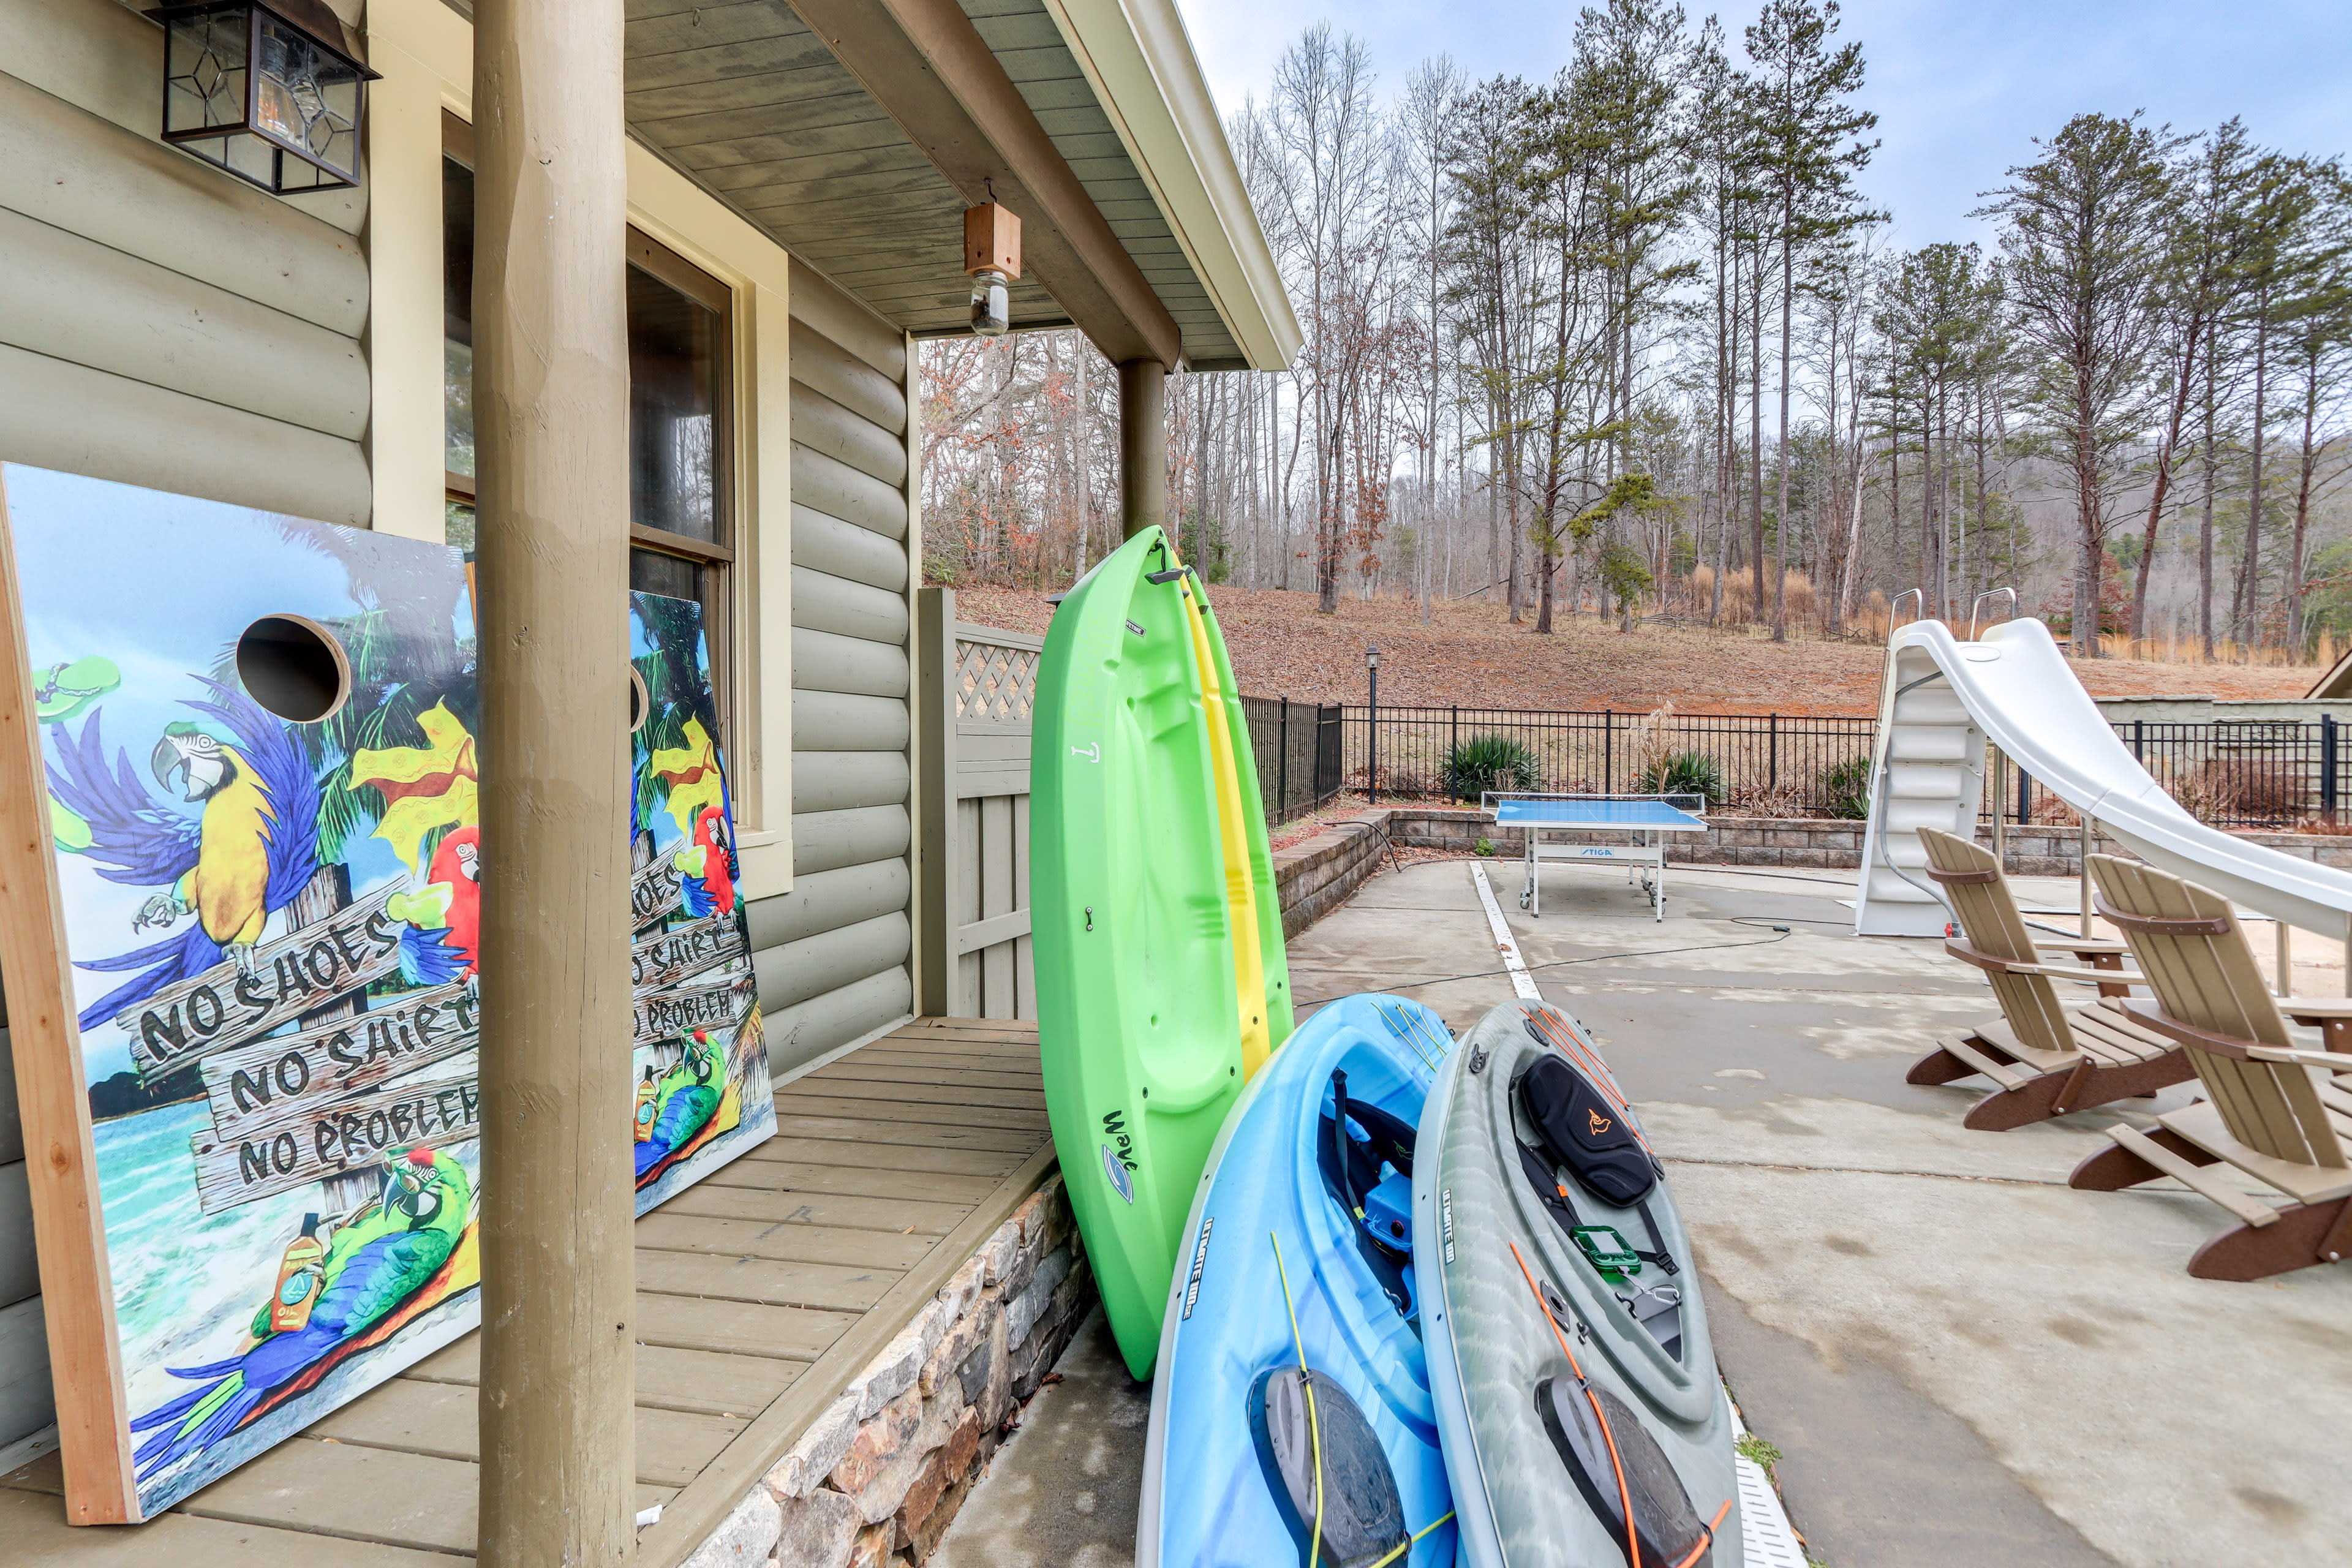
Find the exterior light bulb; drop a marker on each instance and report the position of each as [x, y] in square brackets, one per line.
[992, 303]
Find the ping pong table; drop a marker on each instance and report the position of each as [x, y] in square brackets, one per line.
[1553, 827]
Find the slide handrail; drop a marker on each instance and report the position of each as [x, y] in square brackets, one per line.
[1979, 605]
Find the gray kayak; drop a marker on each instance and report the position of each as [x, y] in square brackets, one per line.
[1569, 1355]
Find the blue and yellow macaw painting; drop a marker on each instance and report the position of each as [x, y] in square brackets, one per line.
[700, 1059]
[272, 919]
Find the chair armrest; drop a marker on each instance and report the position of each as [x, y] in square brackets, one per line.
[2116, 978]
[2089, 948]
[1968, 954]
[2332, 1061]
[2315, 1009]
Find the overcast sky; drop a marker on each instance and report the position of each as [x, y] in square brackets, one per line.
[1960, 86]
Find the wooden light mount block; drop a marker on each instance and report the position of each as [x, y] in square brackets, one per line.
[991, 239]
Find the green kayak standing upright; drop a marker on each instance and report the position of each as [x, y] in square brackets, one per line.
[1137, 1018]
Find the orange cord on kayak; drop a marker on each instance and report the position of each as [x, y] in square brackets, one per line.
[1713, 1525]
[1624, 1492]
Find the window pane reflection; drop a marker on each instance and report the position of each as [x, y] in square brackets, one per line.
[458, 314]
[673, 396]
[651, 572]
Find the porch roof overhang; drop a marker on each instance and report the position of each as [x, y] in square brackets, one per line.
[856, 131]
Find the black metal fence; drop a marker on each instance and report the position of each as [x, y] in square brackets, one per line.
[1296, 746]
[2253, 773]
[1772, 763]
[2232, 772]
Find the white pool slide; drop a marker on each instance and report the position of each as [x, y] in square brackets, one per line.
[1945, 698]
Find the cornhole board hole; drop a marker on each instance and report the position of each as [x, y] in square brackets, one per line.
[700, 1061]
[238, 916]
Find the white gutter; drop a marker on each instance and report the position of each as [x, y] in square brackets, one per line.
[1139, 59]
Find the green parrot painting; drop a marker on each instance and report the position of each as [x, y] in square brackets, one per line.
[373, 1266]
[689, 1094]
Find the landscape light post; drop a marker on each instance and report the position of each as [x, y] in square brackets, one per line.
[1372, 726]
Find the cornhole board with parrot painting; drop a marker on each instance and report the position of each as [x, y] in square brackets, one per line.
[241, 955]
[701, 1062]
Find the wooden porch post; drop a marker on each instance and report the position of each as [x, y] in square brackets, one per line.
[550, 395]
[1142, 445]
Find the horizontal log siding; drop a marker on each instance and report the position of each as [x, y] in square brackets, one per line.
[833, 953]
[166, 324]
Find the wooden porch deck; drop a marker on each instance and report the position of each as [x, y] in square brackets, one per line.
[761, 1292]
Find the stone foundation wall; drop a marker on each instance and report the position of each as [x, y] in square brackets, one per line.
[877, 1479]
[1316, 876]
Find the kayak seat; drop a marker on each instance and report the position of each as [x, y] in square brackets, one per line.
[1586, 1132]
[1667, 1529]
[1362, 1511]
[1378, 1149]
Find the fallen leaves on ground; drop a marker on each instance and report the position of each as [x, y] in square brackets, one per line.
[1470, 655]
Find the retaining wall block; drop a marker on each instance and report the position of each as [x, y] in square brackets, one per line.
[893, 1371]
[997, 1254]
[818, 1530]
[920, 1542]
[1017, 1274]
[824, 1446]
[962, 1289]
[747, 1536]
[880, 1439]
[1020, 1314]
[996, 1397]
[956, 1349]
[948, 1464]
[872, 1547]
[881, 1495]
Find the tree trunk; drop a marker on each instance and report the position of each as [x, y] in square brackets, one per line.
[2205, 517]
[2252, 573]
[2165, 451]
[1780, 538]
[2307, 461]
[1755, 436]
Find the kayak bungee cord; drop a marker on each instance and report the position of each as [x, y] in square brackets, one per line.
[1397, 1552]
[1624, 1492]
[1305, 1380]
[1315, 1430]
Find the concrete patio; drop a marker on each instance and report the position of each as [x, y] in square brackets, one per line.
[1964, 1360]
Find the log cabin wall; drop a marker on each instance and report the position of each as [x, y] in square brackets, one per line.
[833, 953]
[162, 324]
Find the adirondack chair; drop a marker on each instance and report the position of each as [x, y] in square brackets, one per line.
[2045, 1058]
[2276, 1112]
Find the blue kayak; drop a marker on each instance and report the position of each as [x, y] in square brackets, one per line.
[1290, 1380]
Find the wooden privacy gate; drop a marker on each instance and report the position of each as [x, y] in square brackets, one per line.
[976, 687]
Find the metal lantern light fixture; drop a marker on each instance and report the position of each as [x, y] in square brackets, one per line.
[991, 256]
[273, 93]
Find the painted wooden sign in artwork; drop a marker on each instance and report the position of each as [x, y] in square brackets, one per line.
[241, 883]
[701, 1062]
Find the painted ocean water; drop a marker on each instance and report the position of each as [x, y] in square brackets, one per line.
[186, 1286]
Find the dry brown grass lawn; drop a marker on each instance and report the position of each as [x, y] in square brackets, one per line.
[1470, 656]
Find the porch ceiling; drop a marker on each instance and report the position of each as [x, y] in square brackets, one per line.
[752, 104]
